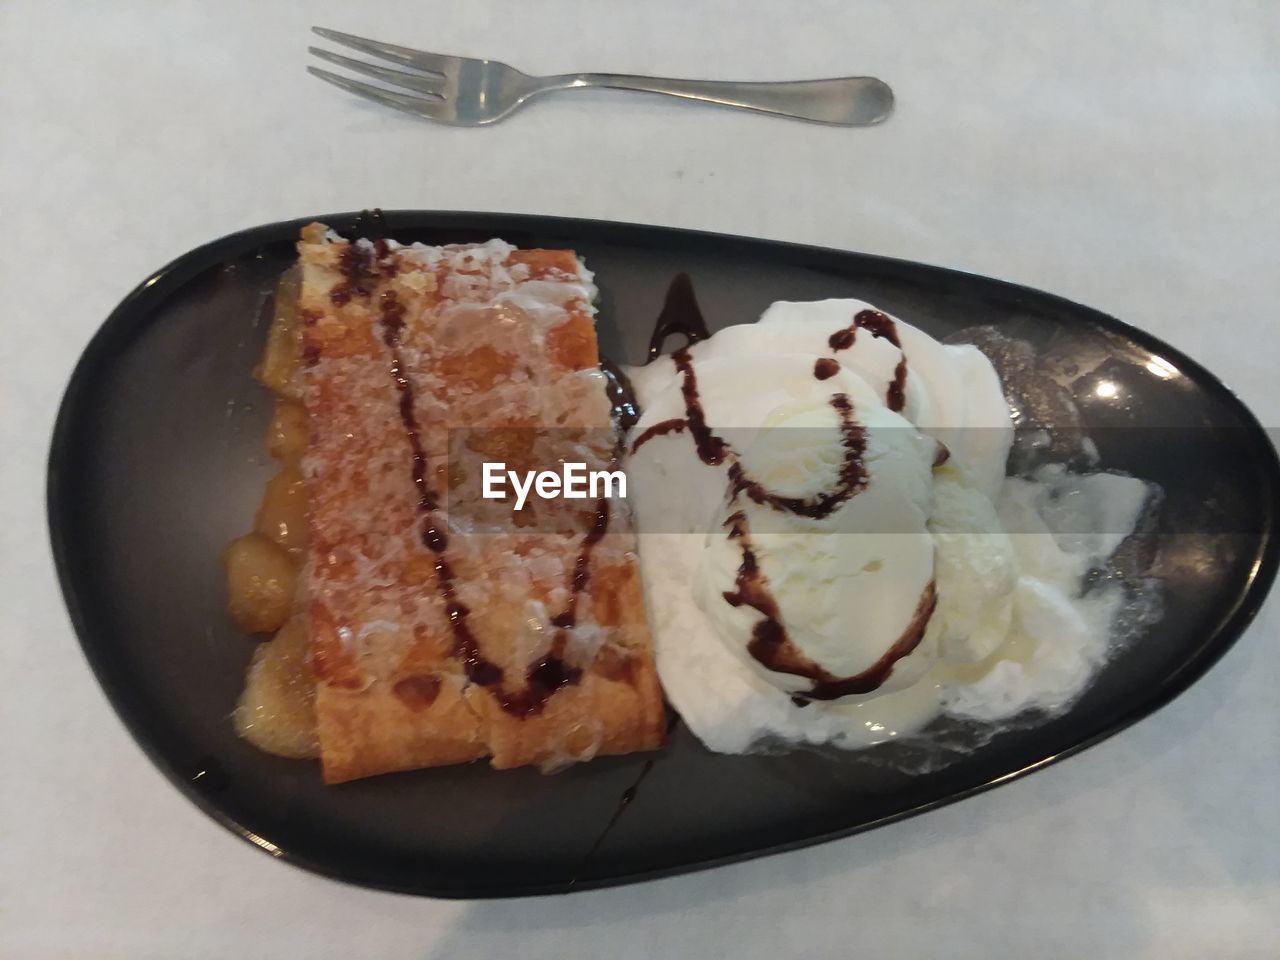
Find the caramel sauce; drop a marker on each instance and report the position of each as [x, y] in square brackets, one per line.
[417, 692]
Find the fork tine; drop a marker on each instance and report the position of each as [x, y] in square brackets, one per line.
[429, 85]
[419, 106]
[409, 57]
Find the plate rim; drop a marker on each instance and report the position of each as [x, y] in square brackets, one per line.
[142, 303]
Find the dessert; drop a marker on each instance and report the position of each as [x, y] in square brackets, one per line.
[826, 547]
[438, 629]
[843, 559]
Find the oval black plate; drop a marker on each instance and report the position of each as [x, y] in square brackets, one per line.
[157, 462]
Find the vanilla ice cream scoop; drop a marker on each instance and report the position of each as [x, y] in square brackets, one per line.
[818, 570]
[975, 569]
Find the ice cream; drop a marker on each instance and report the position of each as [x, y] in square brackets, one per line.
[822, 506]
[837, 601]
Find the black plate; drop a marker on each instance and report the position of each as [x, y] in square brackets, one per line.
[157, 462]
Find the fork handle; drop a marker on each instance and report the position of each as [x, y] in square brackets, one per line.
[843, 101]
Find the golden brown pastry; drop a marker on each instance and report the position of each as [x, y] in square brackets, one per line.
[443, 627]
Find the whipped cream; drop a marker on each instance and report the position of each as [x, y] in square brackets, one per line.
[831, 551]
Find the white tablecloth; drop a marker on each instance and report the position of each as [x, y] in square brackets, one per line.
[1122, 154]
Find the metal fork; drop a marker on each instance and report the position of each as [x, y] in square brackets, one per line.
[467, 92]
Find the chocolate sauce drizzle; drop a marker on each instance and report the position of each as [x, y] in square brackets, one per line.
[582, 567]
[878, 325]
[361, 265]
[433, 533]
[874, 322]
[661, 429]
[853, 473]
[543, 678]
[680, 316]
[622, 401]
[773, 648]
[371, 223]
[824, 368]
[712, 449]
[552, 672]
[354, 263]
[895, 397]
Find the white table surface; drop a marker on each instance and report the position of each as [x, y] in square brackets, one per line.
[1122, 154]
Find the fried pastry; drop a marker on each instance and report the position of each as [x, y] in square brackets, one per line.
[441, 626]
